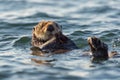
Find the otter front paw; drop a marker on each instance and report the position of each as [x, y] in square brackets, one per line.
[98, 49]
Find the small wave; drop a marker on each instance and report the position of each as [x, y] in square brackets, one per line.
[108, 35]
[38, 1]
[41, 15]
[81, 33]
[22, 42]
[18, 24]
[81, 38]
[81, 43]
[116, 42]
[7, 37]
[6, 41]
[25, 13]
[98, 10]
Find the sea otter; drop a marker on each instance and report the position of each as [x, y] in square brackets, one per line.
[47, 36]
[99, 49]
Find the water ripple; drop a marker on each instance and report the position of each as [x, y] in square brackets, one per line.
[22, 42]
[80, 19]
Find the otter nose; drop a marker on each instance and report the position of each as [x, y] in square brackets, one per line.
[50, 28]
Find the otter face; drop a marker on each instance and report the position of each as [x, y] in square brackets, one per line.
[46, 30]
[98, 48]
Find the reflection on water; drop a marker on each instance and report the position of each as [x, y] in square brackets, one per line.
[80, 19]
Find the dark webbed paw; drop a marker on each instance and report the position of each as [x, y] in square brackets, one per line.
[50, 45]
[98, 48]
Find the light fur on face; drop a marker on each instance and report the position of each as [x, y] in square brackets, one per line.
[41, 32]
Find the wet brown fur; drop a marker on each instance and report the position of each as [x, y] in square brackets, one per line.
[53, 39]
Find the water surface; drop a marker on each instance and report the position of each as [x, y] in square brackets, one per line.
[79, 18]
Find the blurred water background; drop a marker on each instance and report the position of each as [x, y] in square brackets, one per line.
[79, 18]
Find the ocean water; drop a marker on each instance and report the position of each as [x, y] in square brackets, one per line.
[79, 18]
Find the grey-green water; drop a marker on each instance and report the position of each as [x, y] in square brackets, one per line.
[79, 18]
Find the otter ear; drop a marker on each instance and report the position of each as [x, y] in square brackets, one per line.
[59, 26]
[33, 28]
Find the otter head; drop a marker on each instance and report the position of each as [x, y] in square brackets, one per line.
[98, 48]
[45, 30]
[47, 35]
